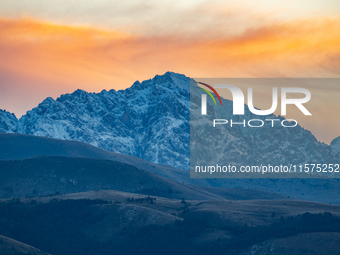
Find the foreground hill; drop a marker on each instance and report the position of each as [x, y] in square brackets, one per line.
[10, 246]
[112, 222]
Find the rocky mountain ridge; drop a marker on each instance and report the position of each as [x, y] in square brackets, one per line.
[151, 120]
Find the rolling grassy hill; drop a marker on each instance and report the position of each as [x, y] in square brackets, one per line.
[16, 146]
[48, 175]
[112, 222]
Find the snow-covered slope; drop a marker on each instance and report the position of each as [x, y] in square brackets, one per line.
[150, 120]
[8, 122]
[335, 144]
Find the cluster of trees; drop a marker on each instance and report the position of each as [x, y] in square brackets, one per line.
[179, 238]
[186, 207]
[147, 199]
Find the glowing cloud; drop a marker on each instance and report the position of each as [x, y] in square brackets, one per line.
[42, 59]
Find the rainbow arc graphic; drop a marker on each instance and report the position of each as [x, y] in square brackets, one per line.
[209, 93]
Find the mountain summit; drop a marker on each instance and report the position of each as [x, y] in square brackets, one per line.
[150, 120]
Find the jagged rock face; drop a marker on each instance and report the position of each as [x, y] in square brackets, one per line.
[150, 120]
[8, 122]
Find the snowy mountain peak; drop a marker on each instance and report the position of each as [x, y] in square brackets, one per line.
[8, 122]
[48, 101]
[169, 80]
[80, 92]
[4, 112]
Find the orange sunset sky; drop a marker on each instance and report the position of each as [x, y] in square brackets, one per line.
[48, 48]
